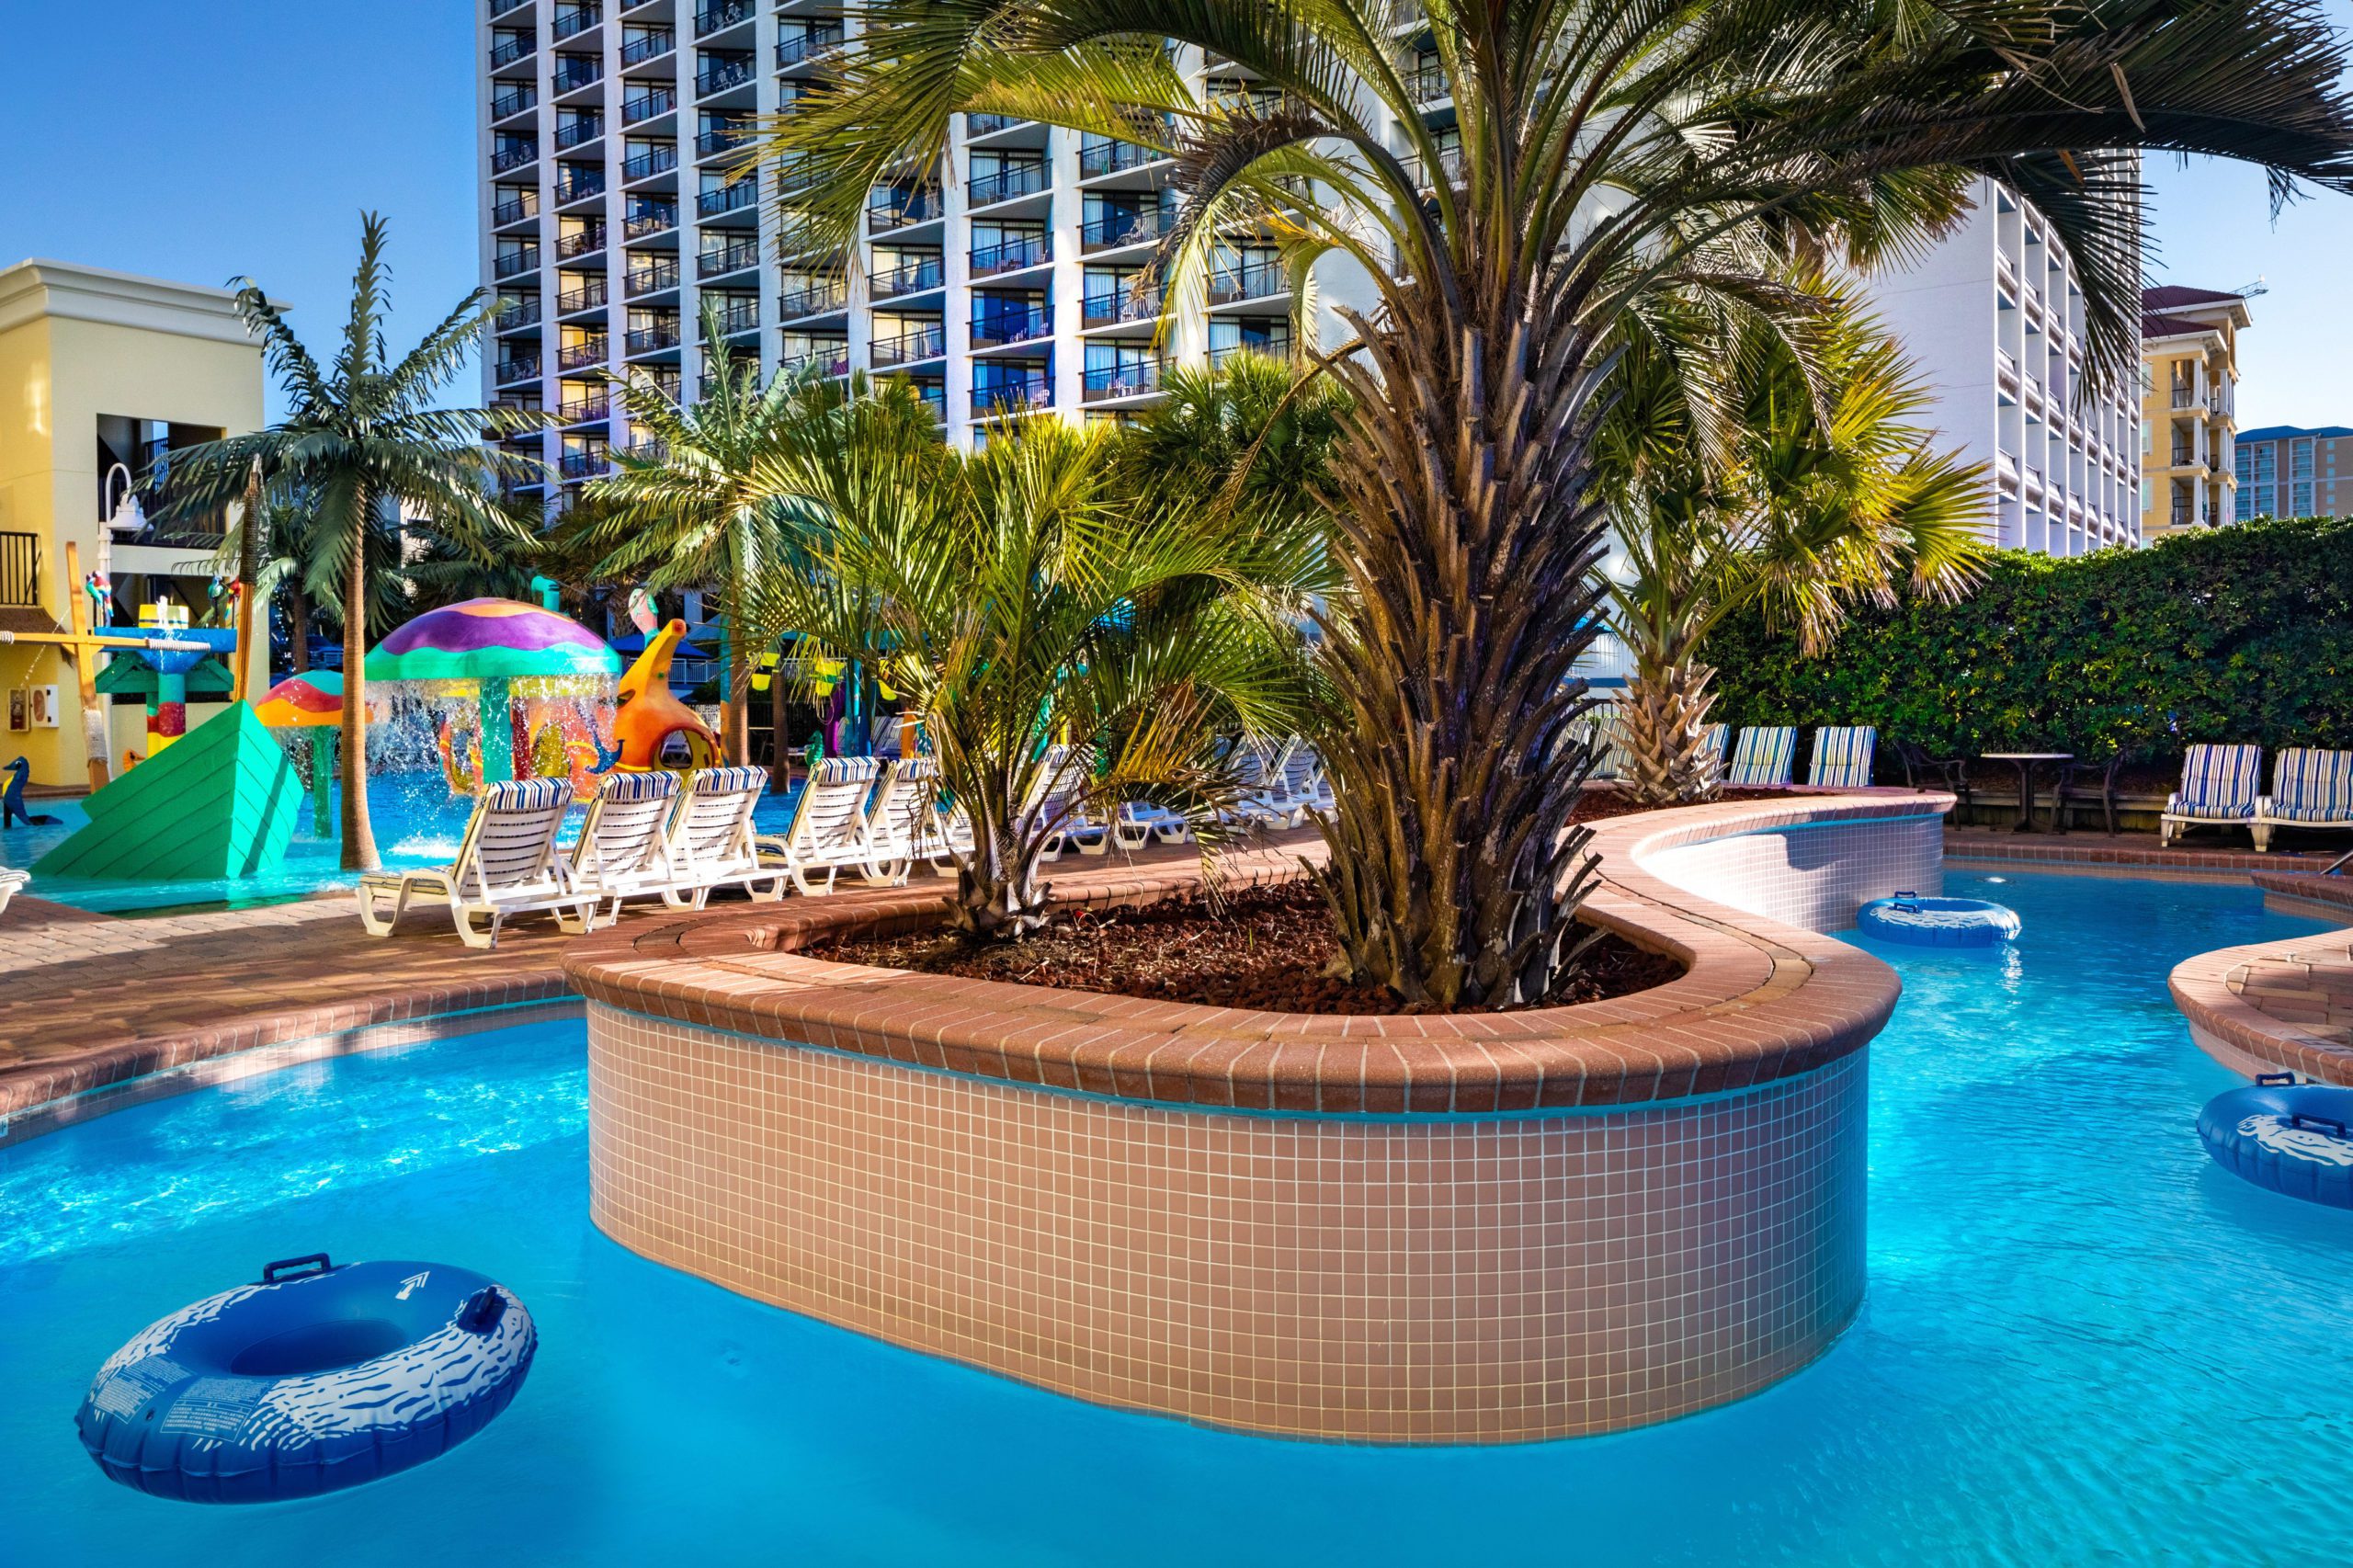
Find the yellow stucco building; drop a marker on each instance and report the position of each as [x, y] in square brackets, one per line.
[102, 376]
[2189, 389]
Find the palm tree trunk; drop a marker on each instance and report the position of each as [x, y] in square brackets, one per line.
[734, 726]
[1661, 724]
[1463, 513]
[358, 834]
[780, 767]
[298, 617]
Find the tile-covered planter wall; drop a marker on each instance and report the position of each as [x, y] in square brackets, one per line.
[1470, 1229]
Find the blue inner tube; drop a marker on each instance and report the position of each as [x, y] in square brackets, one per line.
[319, 1377]
[1937, 922]
[2292, 1138]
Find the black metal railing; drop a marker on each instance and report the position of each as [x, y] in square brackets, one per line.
[1118, 305]
[1025, 178]
[739, 313]
[500, 7]
[585, 465]
[653, 161]
[891, 209]
[515, 210]
[651, 276]
[728, 258]
[507, 50]
[722, 75]
[1125, 229]
[907, 347]
[994, 330]
[596, 406]
[813, 298]
[19, 570]
[579, 130]
[516, 314]
[650, 218]
[591, 293]
[572, 21]
[1008, 255]
[727, 13]
[507, 106]
[722, 138]
[586, 354]
[908, 277]
[579, 185]
[990, 124]
[833, 359]
[727, 198]
[646, 339]
[522, 367]
[648, 105]
[513, 155]
[1007, 394]
[800, 48]
[1251, 281]
[515, 262]
[1429, 79]
[1131, 379]
[648, 46]
[1108, 158]
[587, 242]
[574, 72]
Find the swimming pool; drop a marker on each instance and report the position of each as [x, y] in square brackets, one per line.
[2082, 1341]
[416, 820]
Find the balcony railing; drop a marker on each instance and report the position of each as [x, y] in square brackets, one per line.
[646, 339]
[900, 210]
[2183, 515]
[516, 314]
[1011, 255]
[1108, 158]
[802, 47]
[579, 130]
[648, 105]
[831, 359]
[515, 262]
[726, 259]
[579, 185]
[1013, 327]
[1121, 305]
[652, 277]
[1116, 228]
[1278, 347]
[572, 21]
[2185, 397]
[585, 464]
[653, 161]
[507, 50]
[1429, 79]
[990, 124]
[908, 277]
[722, 75]
[740, 314]
[648, 46]
[813, 298]
[506, 105]
[727, 198]
[1010, 181]
[1252, 281]
[522, 367]
[1104, 381]
[590, 294]
[650, 218]
[721, 138]
[514, 155]
[586, 354]
[577, 71]
[646, 451]
[595, 408]
[1009, 393]
[516, 209]
[587, 242]
[727, 13]
[907, 347]
[500, 7]
[20, 571]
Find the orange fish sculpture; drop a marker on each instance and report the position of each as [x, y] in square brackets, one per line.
[650, 716]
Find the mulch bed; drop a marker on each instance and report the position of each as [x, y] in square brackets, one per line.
[1596, 805]
[1262, 947]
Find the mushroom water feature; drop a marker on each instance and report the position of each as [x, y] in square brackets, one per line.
[499, 652]
[311, 701]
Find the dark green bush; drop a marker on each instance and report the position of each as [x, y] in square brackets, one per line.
[2233, 634]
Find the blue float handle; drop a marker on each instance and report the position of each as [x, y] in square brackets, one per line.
[2267, 1080]
[316, 1263]
[2298, 1117]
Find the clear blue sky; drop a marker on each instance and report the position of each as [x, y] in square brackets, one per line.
[197, 144]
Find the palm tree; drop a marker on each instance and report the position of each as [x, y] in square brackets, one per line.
[1764, 458]
[361, 443]
[705, 512]
[1021, 596]
[1605, 148]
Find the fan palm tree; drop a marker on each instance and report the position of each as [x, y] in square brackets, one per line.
[1808, 490]
[1605, 147]
[1019, 595]
[361, 443]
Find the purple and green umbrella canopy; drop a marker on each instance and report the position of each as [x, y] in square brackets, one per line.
[491, 640]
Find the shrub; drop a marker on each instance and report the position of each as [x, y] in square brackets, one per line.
[2235, 634]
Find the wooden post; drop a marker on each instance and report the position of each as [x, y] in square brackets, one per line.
[96, 745]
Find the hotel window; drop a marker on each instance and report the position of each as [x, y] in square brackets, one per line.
[2300, 460]
[2299, 500]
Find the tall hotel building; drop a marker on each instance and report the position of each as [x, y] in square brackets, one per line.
[609, 221]
[1993, 320]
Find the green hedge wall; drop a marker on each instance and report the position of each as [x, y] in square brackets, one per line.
[2238, 633]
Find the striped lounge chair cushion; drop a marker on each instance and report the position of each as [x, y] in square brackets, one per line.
[2313, 786]
[528, 794]
[1764, 756]
[843, 770]
[1842, 757]
[2220, 782]
[1714, 741]
[624, 787]
[730, 781]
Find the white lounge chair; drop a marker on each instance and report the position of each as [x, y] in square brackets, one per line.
[903, 822]
[1842, 757]
[828, 831]
[10, 880]
[710, 841]
[1763, 758]
[1607, 736]
[2310, 787]
[1258, 773]
[2220, 787]
[507, 864]
[623, 851]
[1058, 802]
[1300, 786]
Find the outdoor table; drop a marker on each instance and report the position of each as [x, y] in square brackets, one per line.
[2027, 762]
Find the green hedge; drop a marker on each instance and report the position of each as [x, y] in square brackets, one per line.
[2232, 634]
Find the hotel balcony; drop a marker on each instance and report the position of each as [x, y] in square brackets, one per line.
[1107, 383]
[910, 348]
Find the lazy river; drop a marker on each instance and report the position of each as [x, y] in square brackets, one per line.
[2082, 1341]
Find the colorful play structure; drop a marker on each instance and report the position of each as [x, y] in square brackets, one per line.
[515, 691]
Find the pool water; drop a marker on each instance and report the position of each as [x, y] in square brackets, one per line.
[2082, 1341]
[417, 823]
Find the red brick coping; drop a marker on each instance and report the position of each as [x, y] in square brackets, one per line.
[2270, 1006]
[1761, 1001]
